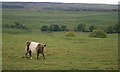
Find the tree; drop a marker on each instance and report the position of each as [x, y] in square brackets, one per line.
[54, 28]
[91, 28]
[81, 27]
[18, 25]
[50, 28]
[44, 28]
[110, 29]
[117, 28]
[64, 28]
[6, 26]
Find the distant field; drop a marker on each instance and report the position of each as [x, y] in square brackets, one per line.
[34, 20]
[62, 53]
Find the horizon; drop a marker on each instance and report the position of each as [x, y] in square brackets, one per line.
[67, 1]
[55, 2]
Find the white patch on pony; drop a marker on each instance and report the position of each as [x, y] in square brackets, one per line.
[30, 57]
[32, 47]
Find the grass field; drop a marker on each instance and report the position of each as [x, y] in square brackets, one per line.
[62, 53]
[80, 52]
[34, 20]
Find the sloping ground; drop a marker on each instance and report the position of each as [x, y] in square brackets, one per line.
[34, 20]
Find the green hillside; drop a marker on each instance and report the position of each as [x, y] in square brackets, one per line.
[35, 14]
[34, 20]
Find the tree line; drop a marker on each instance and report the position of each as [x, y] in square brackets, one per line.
[16, 25]
[81, 28]
[12, 6]
[54, 27]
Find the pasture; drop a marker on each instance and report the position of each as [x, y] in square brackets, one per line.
[62, 53]
[80, 52]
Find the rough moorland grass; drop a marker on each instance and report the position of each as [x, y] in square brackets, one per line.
[64, 53]
[34, 20]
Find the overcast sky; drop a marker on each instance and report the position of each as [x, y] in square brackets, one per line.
[68, 1]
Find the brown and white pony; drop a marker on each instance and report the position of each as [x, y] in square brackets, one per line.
[34, 47]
